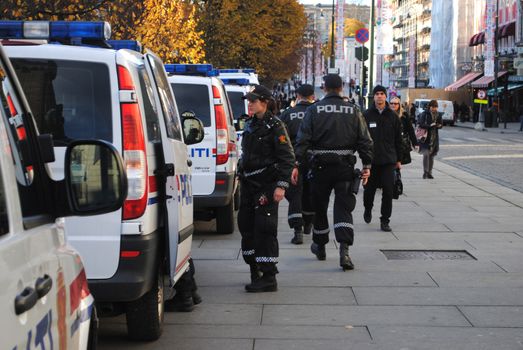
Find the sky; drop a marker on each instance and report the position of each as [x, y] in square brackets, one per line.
[324, 2]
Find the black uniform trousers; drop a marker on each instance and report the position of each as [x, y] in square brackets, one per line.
[187, 284]
[325, 178]
[380, 176]
[258, 225]
[301, 211]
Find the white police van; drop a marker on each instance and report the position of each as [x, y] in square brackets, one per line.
[245, 73]
[44, 298]
[200, 93]
[132, 256]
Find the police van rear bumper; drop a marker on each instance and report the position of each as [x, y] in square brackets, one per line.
[135, 275]
[224, 188]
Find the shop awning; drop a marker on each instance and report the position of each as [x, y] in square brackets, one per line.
[484, 82]
[511, 87]
[463, 81]
[481, 38]
[472, 41]
[508, 29]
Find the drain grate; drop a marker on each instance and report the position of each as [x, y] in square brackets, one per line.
[428, 255]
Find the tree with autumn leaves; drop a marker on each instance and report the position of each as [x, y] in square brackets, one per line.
[265, 35]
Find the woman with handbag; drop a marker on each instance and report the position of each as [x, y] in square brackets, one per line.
[429, 120]
[408, 136]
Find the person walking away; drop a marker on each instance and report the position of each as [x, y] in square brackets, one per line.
[385, 130]
[408, 137]
[300, 212]
[266, 165]
[331, 131]
[431, 121]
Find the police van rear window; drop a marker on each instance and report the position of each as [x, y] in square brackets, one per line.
[195, 98]
[237, 103]
[69, 99]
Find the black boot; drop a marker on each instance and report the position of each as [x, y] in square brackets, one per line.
[345, 261]
[307, 229]
[298, 236]
[182, 302]
[367, 215]
[196, 298]
[319, 251]
[255, 274]
[267, 283]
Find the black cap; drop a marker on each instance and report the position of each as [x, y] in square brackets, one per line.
[305, 90]
[258, 92]
[378, 88]
[333, 81]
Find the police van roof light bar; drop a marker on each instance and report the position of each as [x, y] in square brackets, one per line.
[126, 44]
[243, 70]
[191, 69]
[54, 30]
[233, 81]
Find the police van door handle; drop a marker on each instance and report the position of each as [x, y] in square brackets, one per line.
[25, 300]
[189, 162]
[43, 285]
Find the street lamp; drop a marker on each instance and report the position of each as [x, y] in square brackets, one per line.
[332, 37]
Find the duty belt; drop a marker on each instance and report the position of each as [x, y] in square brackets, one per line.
[340, 152]
[254, 172]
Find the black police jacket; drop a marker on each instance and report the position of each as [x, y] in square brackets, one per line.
[385, 129]
[292, 117]
[266, 144]
[333, 124]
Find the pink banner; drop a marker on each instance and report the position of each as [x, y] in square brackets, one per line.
[412, 62]
[340, 25]
[489, 38]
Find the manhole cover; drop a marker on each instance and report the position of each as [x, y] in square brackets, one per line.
[427, 255]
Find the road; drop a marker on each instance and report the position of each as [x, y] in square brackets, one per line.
[494, 156]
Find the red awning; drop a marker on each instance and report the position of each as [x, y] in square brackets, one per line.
[472, 41]
[509, 29]
[500, 30]
[463, 81]
[484, 81]
[481, 38]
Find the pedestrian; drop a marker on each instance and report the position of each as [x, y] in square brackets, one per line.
[331, 131]
[300, 213]
[385, 130]
[266, 165]
[431, 121]
[521, 117]
[412, 112]
[186, 292]
[408, 137]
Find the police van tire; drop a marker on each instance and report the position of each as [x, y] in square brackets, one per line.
[92, 340]
[145, 315]
[225, 219]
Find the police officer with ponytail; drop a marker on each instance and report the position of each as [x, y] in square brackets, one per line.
[330, 133]
[266, 166]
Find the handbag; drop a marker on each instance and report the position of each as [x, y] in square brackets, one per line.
[421, 134]
[397, 189]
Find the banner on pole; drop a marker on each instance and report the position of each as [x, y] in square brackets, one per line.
[490, 27]
[383, 35]
[412, 61]
[340, 26]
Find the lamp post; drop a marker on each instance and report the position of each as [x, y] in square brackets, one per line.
[496, 69]
[332, 37]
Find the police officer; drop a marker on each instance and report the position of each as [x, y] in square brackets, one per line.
[331, 131]
[266, 166]
[300, 205]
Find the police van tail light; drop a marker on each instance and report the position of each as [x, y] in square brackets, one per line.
[133, 151]
[222, 130]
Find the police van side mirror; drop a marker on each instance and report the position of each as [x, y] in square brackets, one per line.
[95, 178]
[239, 124]
[192, 130]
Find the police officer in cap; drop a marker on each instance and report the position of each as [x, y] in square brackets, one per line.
[266, 166]
[330, 132]
[301, 212]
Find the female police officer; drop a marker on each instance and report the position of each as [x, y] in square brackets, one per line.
[266, 166]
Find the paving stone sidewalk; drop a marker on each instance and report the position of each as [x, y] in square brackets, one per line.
[433, 302]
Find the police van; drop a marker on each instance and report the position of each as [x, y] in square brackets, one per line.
[79, 87]
[45, 302]
[199, 93]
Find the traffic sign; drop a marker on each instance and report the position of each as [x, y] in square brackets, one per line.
[362, 35]
[482, 94]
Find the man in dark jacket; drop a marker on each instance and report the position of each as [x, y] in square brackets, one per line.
[330, 132]
[300, 206]
[385, 129]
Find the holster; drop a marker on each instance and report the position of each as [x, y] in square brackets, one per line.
[356, 181]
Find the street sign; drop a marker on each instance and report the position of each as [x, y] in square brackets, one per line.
[357, 53]
[362, 35]
[482, 94]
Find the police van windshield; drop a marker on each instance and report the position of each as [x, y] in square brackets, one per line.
[69, 99]
[189, 97]
[237, 103]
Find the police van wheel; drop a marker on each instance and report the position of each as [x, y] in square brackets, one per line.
[145, 315]
[225, 219]
[92, 341]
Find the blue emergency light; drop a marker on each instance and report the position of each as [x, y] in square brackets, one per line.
[233, 81]
[243, 70]
[191, 69]
[54, 30]
[125, 44]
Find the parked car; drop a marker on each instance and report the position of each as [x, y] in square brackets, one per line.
[44, 297]
[84, 88]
